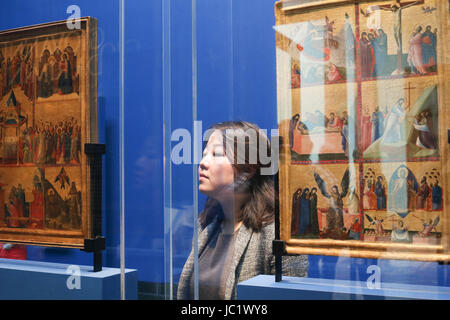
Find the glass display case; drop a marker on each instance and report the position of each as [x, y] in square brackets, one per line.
[226, 125]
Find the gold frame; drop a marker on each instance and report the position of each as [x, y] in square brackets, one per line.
[86, 98]
[357, 248]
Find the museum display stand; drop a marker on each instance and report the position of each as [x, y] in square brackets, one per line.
[32, 280]
[44, 280]
[263, 287]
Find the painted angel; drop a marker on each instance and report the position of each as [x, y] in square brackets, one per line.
[62, 178]
[428, 227]
[335, 218]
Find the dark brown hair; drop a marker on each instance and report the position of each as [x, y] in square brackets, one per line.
[258, 211]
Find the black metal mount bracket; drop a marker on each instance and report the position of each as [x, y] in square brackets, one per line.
[279, 247]
[97, 243]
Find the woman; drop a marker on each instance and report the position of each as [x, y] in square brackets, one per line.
[236, 227]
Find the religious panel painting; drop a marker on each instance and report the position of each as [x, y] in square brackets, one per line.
[47, 112]
[361, 98]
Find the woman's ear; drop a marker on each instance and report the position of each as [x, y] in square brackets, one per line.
[249, 172]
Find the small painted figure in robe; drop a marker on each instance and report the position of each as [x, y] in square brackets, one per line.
[15, 209]
[333, 122]
[333, 73]
[379, 44]
[378, 223]
[427, 228]
[334, 216]
[37, 205]
[377, 120]
[380, 193]
[344, 134]
[437, 196]
[355, 230]
[45, 76]
[353, 201]
[402, 187]
[304, 225]
[295, 218]
[415, 52]
[429, 201]
[429, 48]
[295, 76]
[74, 207]
[400, 233]
[394, 129]
[370, 198]
[367, 56]
[423, 123]
[422, 194]
[366, 132]
[313, 209]
[292, 125]
[302, 128]
[65, 82]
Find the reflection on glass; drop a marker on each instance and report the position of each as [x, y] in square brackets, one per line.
[361, 116]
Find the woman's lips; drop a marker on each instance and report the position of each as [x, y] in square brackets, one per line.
[201, 175]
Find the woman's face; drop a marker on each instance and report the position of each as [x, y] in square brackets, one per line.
[216, 173]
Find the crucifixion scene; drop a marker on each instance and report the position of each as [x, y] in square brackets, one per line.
[398, 38]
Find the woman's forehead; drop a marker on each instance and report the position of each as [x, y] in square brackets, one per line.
[215, 139]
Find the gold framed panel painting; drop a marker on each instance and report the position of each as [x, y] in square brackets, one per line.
[48, 110]
[362, 107]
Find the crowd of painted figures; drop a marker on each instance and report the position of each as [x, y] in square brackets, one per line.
[56, 72]
[51, 143]
[424, 196]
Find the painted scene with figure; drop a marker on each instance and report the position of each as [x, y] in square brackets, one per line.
[361, 106]
[46, 115]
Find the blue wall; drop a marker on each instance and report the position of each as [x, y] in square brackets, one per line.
[236, 81]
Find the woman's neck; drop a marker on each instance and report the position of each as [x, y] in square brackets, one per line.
[232, 211]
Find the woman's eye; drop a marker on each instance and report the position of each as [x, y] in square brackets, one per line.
[218, 154]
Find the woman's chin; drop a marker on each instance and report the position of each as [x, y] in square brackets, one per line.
[204, 190]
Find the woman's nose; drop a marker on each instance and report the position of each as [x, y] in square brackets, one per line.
[204, 163]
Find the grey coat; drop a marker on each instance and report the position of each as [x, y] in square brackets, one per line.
[252, 256]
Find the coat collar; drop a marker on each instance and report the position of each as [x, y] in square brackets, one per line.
[241, 242]
[240, 245]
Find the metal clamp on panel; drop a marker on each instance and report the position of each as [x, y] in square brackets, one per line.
[279, 247]
[94, 245]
